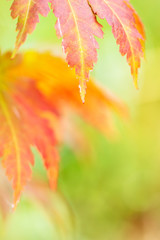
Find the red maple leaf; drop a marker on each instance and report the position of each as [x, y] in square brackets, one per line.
[78, 26]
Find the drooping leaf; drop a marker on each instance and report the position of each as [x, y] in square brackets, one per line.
[126, 27]
[27, 12]
[38, 92]
[77, 26]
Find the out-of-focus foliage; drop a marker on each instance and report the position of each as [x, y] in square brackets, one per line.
[113, 193]
[40, 91]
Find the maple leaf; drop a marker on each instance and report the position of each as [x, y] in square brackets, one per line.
[21, 127]
[27, 12]
[78, 26]
[126, 27]
[34, 101]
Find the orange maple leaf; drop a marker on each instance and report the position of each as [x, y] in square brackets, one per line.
[60, 88]
[37, 92]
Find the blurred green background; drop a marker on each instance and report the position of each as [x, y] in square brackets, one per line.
[114, 192]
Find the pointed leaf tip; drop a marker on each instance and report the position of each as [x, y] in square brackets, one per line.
[14, 53]
[27, 12]
[82, 89]
[135, 80]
